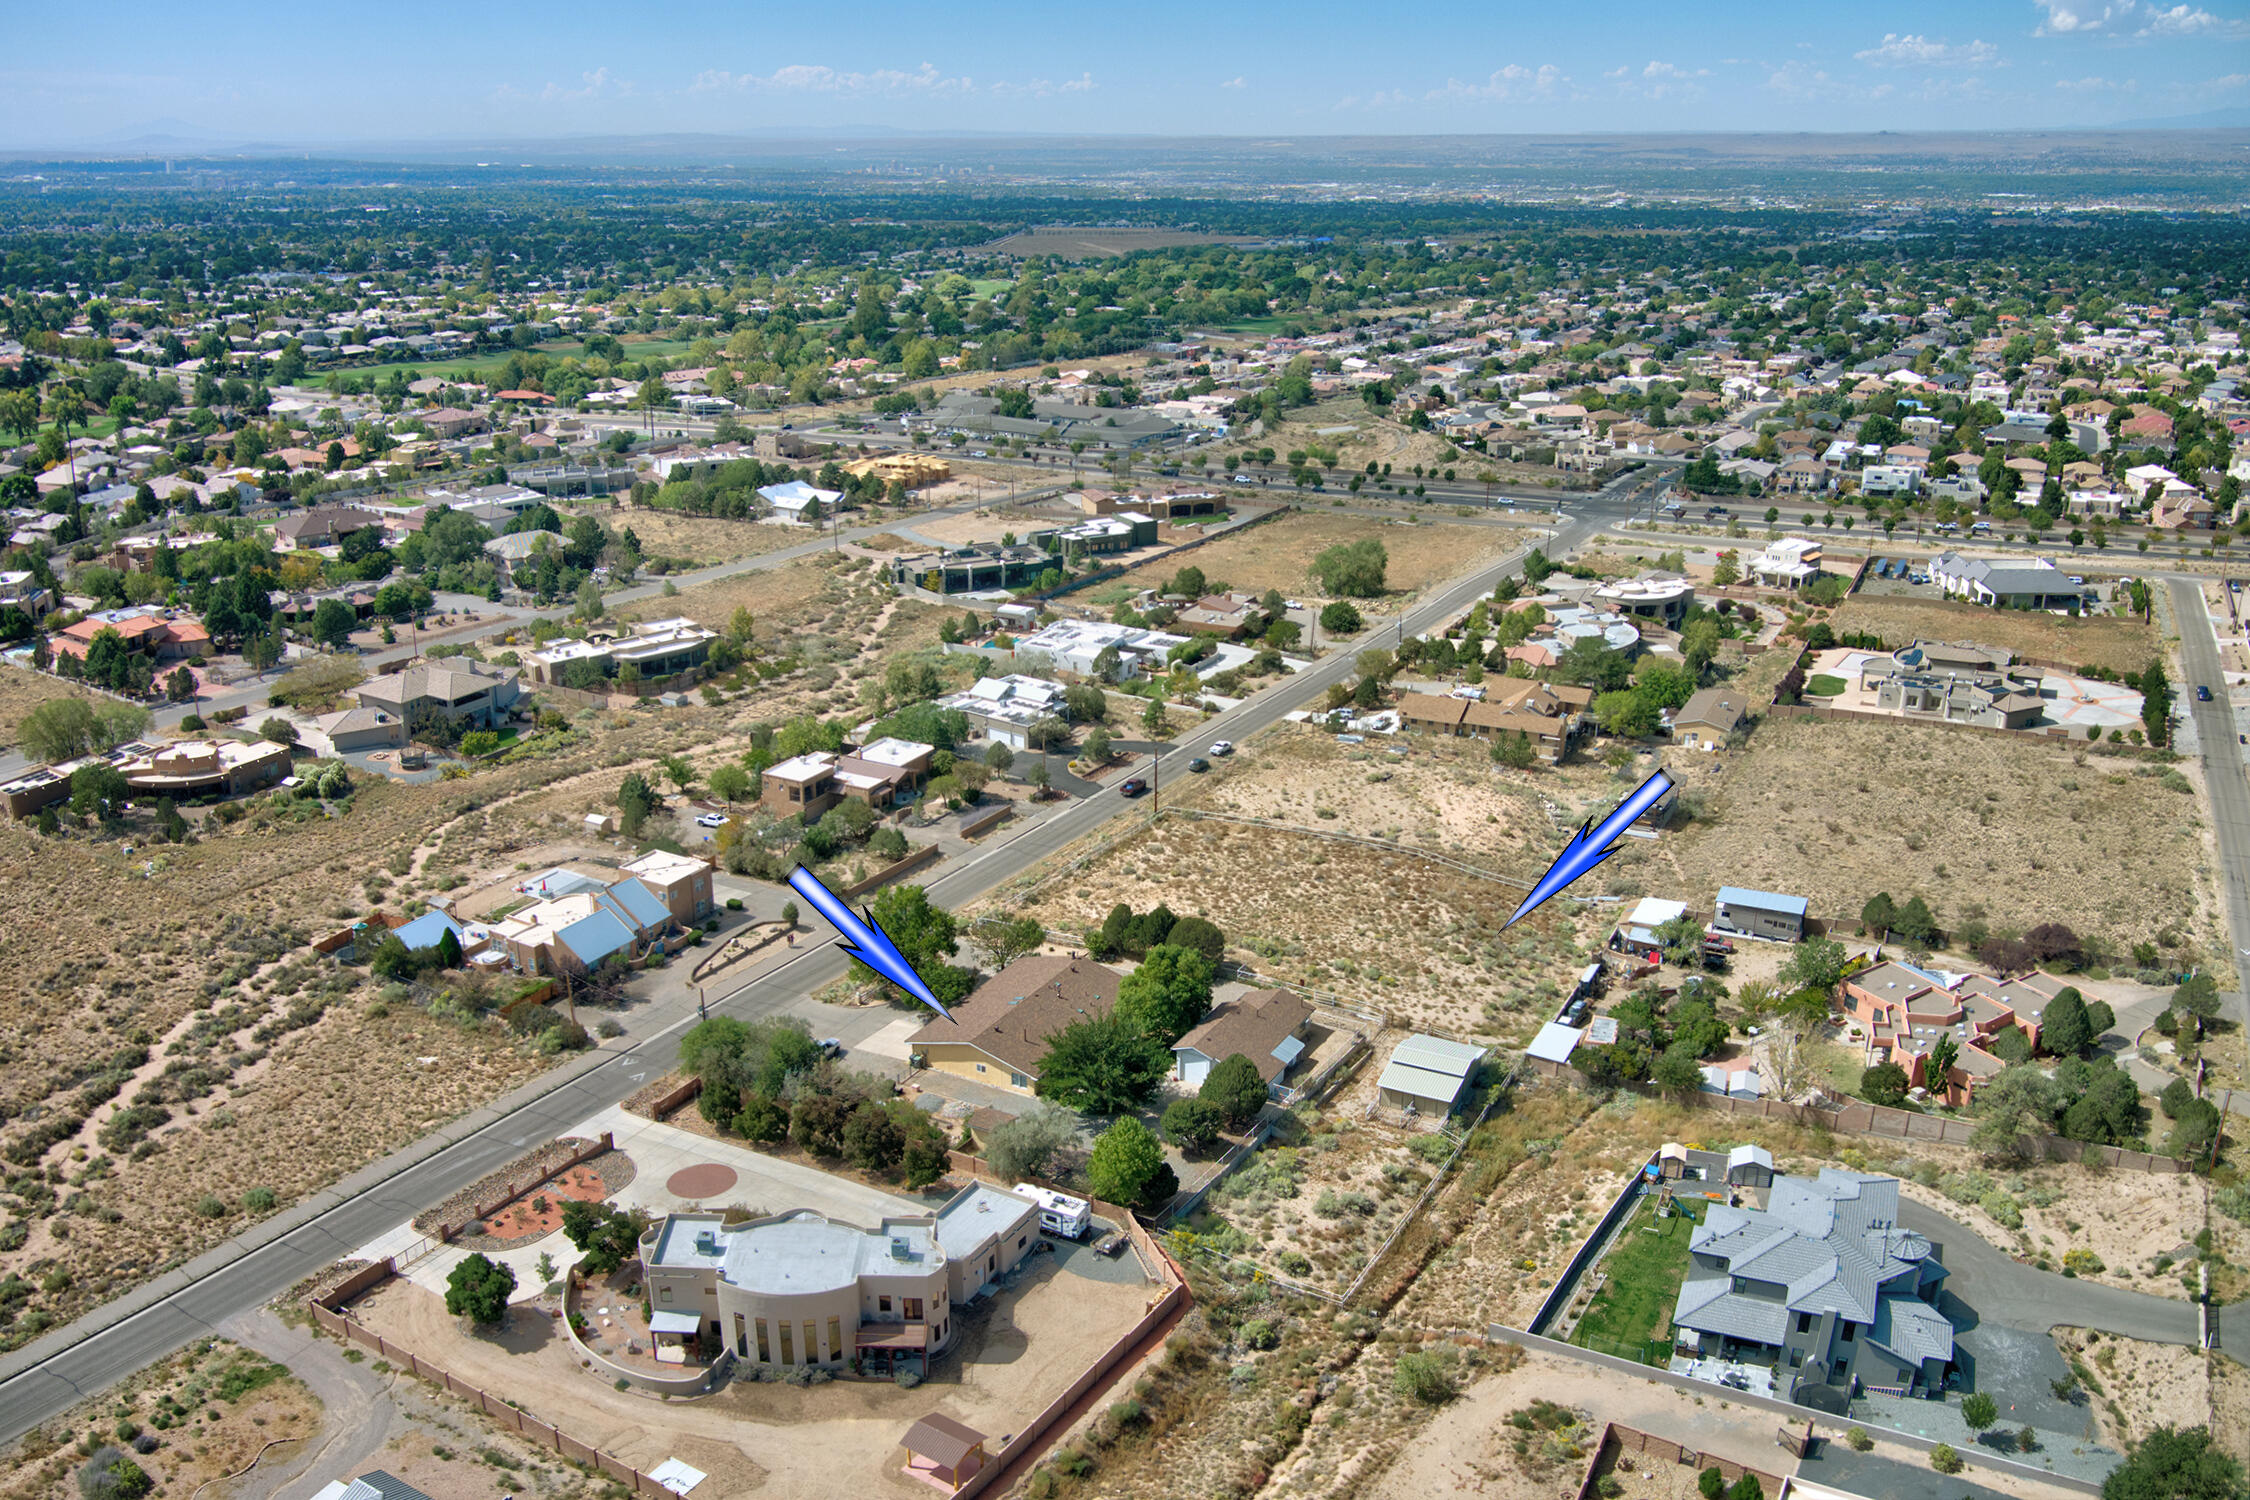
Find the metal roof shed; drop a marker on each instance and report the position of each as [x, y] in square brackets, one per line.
[1427, 1073]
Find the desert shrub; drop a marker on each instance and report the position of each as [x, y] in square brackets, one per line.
[110, 1474]
[1258, 1333]
[1426, 1377]
[2082, 1262]
[1430, 1147]
[2002, 1209]
[1945, 1460]
[1858, 1440]
[1293, 1264]
[260, 1200]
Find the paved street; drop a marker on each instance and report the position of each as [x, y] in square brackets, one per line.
[2000, 1289]
[53, 1373]
[2222, 766]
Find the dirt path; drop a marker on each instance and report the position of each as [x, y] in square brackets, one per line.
[358, 1416]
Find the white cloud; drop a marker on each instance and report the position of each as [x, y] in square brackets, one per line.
[1235, 83]
[2065, 17]
[816, 78]
[1044, 88]
[2092, 84]
[595, 85]
[2180, 20]
[1802, 81]
[1914, 50]
[1673, 70]
[1509, 84]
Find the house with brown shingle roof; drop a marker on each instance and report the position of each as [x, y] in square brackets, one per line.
[998, 1036]
[1267, 1026]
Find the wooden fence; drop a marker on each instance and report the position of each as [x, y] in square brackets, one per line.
[326, 1311]
[1617, 1440]
[1025, 1447]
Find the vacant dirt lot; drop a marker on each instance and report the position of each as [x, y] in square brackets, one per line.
[1385, 928]
[2114, 642]
[1018, 1350]
[2016, 832]
[705, 540]
[2137, 1387]
[1279, 554]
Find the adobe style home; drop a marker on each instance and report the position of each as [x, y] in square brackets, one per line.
[1904, 1010]
[1822, 1284]
[803, 1289]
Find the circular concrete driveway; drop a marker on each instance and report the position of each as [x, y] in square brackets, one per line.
[703, 1180]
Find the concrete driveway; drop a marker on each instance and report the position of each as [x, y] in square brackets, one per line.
[1989, 1285]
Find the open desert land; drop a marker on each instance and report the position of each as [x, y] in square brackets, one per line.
[2116, 643]
[704, 540]
[1278, 554]
[2015, 830]
[187, 1421]
[1377, 922]
[1358, 436]
[145, 1121]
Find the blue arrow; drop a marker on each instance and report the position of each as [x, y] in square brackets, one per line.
[863, 938]
[1591, 844]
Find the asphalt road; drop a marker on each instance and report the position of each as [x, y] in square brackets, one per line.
[2222, 765]
[1998, 1288]
[52, 1374]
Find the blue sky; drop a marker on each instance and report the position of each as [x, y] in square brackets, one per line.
[413, 70]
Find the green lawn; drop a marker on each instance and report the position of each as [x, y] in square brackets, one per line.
[988, 286]
[1824, 686]
[1644, 1271]
[481, 364]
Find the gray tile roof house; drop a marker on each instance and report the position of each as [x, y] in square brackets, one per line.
[1824, 1285]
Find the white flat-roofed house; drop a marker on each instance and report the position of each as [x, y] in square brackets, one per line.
[1789, 563]
[800, 503]
[1003, 708]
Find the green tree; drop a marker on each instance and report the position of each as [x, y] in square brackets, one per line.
[1681, 938]
[2013, 1109]
[1878, 916]
[1152, 718]
[2175, 1464]
[2156, 703]
[1236, 1087]
[1632, 715]
[1514, 750]
[2197, 1000]
[111, 1474]
[478, 1289]
[333, 622]
[1103, 1065]
[1193, 1124]
[1944, 1053]
[926, 935]
[1354, 569]
[1885, 1083]
[1979, 1411]
[636, 800]
[1341, 618]
[1677, 1072]
[1003, 939]
[2064, 1028]
[1817, 964]
[1023, 1147]
[1169, 993]
[729, 782]
[1127, 1166]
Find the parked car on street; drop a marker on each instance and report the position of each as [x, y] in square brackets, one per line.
[2202, 693]
[711, 820]
[1132, 787]
[1200, 765]
[1223, 747]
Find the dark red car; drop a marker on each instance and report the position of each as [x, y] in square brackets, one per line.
[1132, 787]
